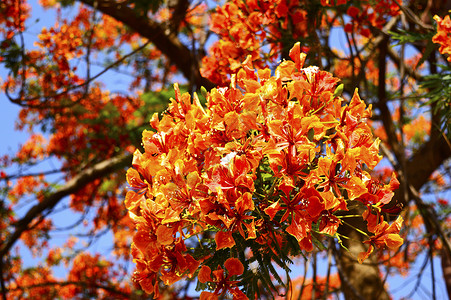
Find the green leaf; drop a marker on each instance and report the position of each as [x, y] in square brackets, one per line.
[430, 47]
[339, 90]
[66, 3]
[203, 91]
[12, 55]
[311, 134]
[409, 37]
[438, 91]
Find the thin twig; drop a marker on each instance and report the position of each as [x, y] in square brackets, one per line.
[2, 280]
[420, 274]
[431, 257]
[19, 101]
[76, 183]
[314, 277]
[303, 279]
[413, 17]
[329, 265]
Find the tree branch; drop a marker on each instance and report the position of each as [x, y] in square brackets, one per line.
[401, 63]
[73, 185]
[178, 15]
[20, 100]
[385, 113]
[426, 160]
[413, 17]
[161, 37]
[428, 214]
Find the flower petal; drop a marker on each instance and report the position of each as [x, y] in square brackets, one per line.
[234, 266]
[224, 239]
[204, 274]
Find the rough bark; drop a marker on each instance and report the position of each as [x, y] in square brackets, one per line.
[446, 269]
[359, 281]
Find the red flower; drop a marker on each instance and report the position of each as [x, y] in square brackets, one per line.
[305, 207]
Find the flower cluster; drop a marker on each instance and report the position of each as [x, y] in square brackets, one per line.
[367, 14]
[13, 14]
[443, 35]
[270, 162]
[243, 27]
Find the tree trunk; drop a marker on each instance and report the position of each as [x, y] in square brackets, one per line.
[358, 281]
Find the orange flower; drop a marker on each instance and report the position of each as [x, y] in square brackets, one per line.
[384, 236]
[221, 283]
[443, 35]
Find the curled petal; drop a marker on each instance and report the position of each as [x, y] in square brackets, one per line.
[365, 255]
[297, 56]
[394, 183]
[315, 206]
[306, 243]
